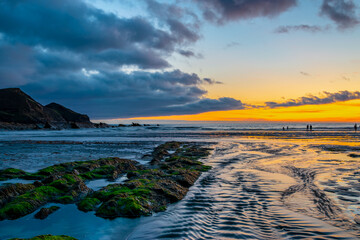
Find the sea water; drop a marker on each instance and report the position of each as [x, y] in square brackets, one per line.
[265, 183]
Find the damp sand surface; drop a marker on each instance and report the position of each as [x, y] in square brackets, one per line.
[263, 185]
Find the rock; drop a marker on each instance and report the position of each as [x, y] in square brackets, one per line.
[38, 184]
[48, 237]
[135, 125]
[68, 114]
[47, 125]
[161, 151]
[18, 107]
[45, 212]
[19, 111]
[11, 173]
[88, 204]
[74, 126]
[151, 190]
[27, 203]
[101, 125]
[9, 192]
[147, 190]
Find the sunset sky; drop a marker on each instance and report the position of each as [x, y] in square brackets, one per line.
[226, 60]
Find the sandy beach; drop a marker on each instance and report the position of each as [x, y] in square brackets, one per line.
[264, 184]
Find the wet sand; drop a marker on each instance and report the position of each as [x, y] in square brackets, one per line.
[263, 185]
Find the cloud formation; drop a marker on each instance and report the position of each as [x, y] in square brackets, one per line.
[78, 27]
[305, 73]
[73, 53]
[121, 95]
[325, 98]
[222, 11]
[342, 12]
[302, 27]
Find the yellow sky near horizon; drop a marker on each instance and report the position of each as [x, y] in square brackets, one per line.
[348, 111]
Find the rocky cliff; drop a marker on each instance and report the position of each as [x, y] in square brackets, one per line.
[19, 111]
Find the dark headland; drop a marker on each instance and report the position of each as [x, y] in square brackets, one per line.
[19, 111]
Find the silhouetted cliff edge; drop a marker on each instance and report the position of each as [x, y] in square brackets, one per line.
[19, 111]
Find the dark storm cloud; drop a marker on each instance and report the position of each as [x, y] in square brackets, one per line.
[116, 94]
[326, 97]
[184, 24]
[207, 105]
[145, 58]
[70, 52]
[302, 27]
[222, 11]
[78, 27]
[342, 12]
[15, 64]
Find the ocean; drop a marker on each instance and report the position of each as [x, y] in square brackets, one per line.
[265, 182]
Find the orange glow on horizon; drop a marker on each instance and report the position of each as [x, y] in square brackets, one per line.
[348, 111]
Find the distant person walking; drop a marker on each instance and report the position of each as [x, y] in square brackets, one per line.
[307, 127]
[355, 127]
[310, 128]
[283, 128]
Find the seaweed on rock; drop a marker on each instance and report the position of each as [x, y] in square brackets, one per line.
[175, 167]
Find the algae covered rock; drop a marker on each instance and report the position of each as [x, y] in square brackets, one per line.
[28, 202]
[88, 204]
[45, 212]
[11, 173]
[8, 192]
[47, 237]
[175, 167]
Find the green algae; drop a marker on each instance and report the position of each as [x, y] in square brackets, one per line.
[99, 173]
[28, 202]
[147, 190]
[47, 237]
[66, 199]
[88, 204]
[51, 170]
[45, 212]
[11, 173]
[131, 206]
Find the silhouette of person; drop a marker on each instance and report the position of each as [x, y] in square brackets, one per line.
[355, 127]
[307, 127]
[310, 128]
[283, 128]
[287, 128]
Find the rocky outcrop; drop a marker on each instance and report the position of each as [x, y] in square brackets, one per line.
[152, 189]
[62, 183]
[19, 111]
[47, 237]
[148, 189]
[45, 212]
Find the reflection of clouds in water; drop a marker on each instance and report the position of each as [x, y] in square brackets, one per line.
[240, 197]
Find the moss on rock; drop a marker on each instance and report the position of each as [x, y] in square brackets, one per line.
[88, 204]
[28, 202]
[66, 199]
[47, 237]
[11, 173]
[45, 212]
[175, 167]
